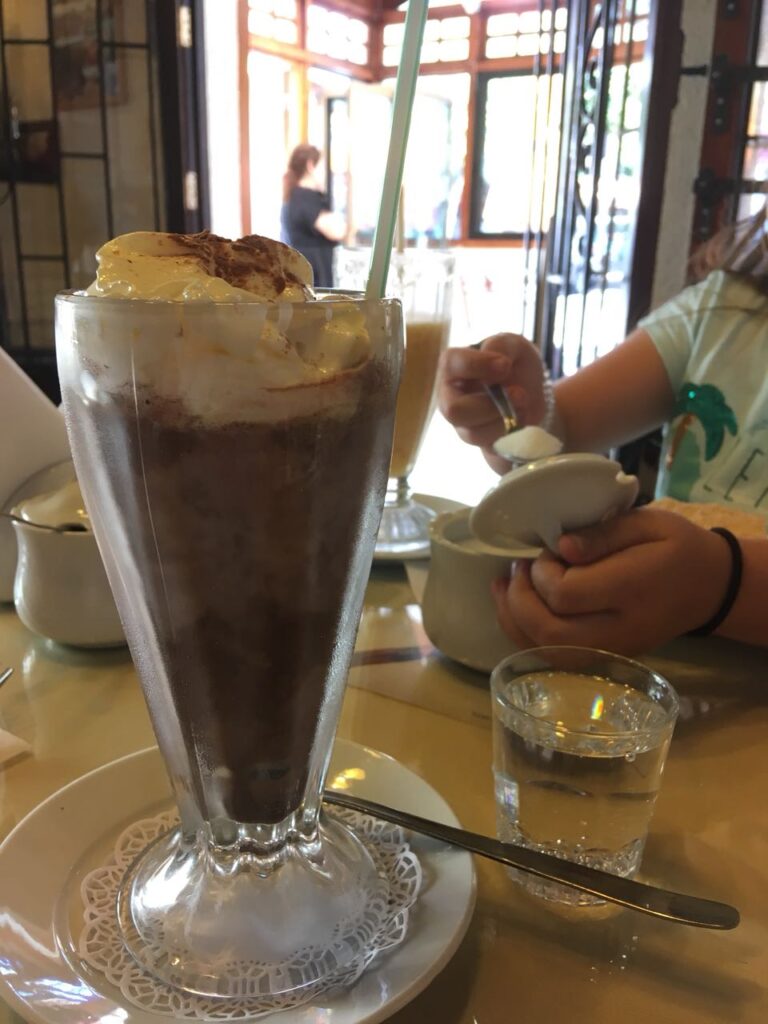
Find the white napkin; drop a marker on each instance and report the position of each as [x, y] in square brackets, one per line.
[32, 437]
[32, 431]
[12, 747]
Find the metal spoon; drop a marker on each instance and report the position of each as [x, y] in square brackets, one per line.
[5, 675]
[504, 407]
[648, 899]
[500, 399]
[62, 528]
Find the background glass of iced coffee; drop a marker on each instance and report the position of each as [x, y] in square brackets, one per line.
[422, 279]
[579, 743]
[237, 522]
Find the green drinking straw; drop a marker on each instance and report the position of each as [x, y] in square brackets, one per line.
[405, 90]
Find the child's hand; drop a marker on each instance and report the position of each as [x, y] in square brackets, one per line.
[625, 586]
[505, 359]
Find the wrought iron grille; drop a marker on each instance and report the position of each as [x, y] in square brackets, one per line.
[585, 259]
[99, 134]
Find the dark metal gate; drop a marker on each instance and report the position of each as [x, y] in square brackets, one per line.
[597, 268]
[101, 132]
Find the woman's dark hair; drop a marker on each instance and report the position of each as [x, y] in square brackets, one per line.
[740, 248]
[297, 167]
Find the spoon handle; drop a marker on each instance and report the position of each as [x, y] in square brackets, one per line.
[504, 407]
[648, 899]
[64, 528]
[500, 399]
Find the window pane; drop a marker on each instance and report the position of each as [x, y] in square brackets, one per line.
[316, 16]
[504, 46]
[640, 31]
[519, 160]
[121, 22]
[260, 24]
[433, 180]
[38, 211]
[27, 20]
[431, 30]
[758, 110]
[357, 54]
[28, 69]
[434, 173]
[285, 9]
[357, 31]
[41, 282]
[502, 24]
[528, 45]
[756, 163]
[393, 34]
[430, 53]
[286, 31]
[454, 28]
[454, 49]
[529, 21]
[750, 203]
[131, 157]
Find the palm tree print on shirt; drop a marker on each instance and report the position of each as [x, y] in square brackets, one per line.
[706, 403]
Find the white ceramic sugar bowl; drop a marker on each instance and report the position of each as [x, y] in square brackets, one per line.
[61, 589]
[458, 611]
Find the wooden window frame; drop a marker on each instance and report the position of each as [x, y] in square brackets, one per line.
[476, 66]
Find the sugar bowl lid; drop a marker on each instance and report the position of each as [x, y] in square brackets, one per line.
[536, 503]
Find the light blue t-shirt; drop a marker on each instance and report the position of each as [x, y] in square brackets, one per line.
[713, 339]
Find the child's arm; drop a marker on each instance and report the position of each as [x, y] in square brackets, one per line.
[634, 583]
[617, 398]
[620, 397]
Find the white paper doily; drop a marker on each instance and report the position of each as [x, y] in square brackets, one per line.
[101, 945]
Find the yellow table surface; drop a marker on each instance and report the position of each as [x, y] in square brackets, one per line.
[522, 962]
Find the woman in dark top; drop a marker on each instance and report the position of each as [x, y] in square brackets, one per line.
[307, 221]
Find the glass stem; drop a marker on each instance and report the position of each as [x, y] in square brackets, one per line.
[398, 492]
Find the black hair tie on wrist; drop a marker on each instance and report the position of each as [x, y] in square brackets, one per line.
[732, 590]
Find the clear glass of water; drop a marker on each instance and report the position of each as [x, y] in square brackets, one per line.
[579, 743]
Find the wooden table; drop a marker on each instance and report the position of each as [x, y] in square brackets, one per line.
[522, 962]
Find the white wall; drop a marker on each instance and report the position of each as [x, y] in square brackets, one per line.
[684, 151]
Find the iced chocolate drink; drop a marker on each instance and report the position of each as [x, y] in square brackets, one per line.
[426, 339]
[232, 435]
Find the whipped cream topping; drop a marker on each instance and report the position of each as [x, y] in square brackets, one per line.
[201, 267]
[242, 339]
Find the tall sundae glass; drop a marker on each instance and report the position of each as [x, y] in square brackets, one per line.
[232, 435]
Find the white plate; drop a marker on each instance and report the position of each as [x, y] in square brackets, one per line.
[534, 504]
[36, 865]
[437, 505]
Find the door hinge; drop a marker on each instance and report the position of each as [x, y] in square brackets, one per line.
[184, 26]
[724, 77]
[191, 197]
[709, 190]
